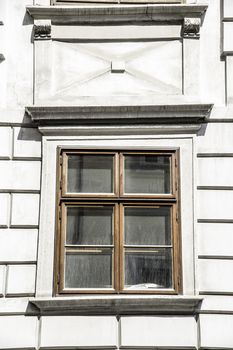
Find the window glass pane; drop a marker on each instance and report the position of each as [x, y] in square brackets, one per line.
[147, 226]
[148, 270]
[89, 225]
[90, 173]
[147, 174]
[88, 270]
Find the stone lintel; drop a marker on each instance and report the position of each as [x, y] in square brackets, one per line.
[101, 116]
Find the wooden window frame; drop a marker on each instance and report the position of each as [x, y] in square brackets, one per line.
[118, 200]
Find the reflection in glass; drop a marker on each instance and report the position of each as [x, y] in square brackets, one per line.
[147, 174]
[147, 226]
[88, 270]
[148, 270]
[89, 225]
[90, 173]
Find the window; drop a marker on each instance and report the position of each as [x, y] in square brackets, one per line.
[118, 227]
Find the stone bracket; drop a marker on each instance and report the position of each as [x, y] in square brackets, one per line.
[191, 27]
[42, 31]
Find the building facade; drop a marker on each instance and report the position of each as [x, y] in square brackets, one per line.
[116, 158]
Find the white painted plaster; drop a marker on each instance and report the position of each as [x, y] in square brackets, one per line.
[27, 143]
[21, 280]
[212, 69]
[229, 78]
[78, 331]
[5, 209]
[18, 245]
[228, 31]
[216, 331]
[5, 142]
[215, 239]
[228, 8]
[215, 171]
[25, 209]
[215, 138]
[18, 332]
[215, 275]
[215, 204]
[20, 175]
[2, 279]
[18, 27]
[158, 331]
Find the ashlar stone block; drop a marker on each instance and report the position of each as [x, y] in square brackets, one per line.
[159, 331]
[78, 331]
[20, 175]
[21, 280]
[214, 275]
[215, 204]
[215, 239]
[18, 245]
[216, 138]
[2, 279]
[216, 331]
[25, 210]
[215, 171]
[228, 8]
[5, 142]
[228, 30]
[27, 143]
[18, 332]
[5, 209]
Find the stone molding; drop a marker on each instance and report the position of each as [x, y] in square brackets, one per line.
[116, 13]
[104, 120]
[191, 27]
[120, 115]
[118, 305]
[42, 32]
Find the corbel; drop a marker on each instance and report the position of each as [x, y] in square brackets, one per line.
[2, 58]
[191, 27]
[42, 30]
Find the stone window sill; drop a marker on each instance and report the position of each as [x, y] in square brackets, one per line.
[118, 305]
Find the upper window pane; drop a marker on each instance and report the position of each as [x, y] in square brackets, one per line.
[147, 226]
[89, 225]
[147, 174]
[90, 173]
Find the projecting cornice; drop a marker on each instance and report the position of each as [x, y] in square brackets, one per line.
[116, 13]
[141, 118]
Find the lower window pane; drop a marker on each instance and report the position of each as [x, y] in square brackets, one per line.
[148, 270]
[88, 270]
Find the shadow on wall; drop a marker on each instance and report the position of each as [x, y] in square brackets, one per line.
[202, 131]
[28, 20]
[28, 132]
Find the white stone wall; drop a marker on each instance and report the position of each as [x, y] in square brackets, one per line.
[20, 177]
